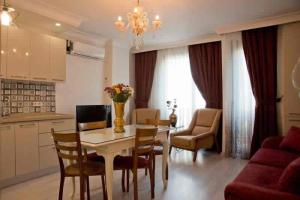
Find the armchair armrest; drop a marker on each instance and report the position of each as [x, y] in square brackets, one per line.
[272, 142]
[244, 191]
[181, 133]
[203, 135]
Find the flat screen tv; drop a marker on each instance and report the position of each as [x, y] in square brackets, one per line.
[92, 113]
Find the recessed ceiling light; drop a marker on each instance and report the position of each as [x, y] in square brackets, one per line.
[57, 24]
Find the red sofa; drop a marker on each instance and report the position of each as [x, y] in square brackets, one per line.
[273, 173]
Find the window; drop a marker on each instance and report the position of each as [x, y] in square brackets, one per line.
[173, 80]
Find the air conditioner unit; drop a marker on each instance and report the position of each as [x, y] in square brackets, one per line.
[85, 50]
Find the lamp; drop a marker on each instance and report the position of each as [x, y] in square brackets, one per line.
[6, 14]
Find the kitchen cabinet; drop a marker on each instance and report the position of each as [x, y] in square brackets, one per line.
[40, 57]
[27, 147]
[3, 51]
[18, 53]
[58, 59]
[7, 152]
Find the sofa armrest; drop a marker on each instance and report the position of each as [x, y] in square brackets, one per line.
[244, 191]
[272, 142]
[181, 133]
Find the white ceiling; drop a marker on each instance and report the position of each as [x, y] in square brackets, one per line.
[182, 19]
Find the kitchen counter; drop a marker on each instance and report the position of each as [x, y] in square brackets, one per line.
[34, 117]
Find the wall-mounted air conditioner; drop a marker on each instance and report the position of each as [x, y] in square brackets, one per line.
[85, 50]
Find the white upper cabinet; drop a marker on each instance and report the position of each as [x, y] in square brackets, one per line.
[58, 59]
[18, 53]
[40, 57]
[3, 51]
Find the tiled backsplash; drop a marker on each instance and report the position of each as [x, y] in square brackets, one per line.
[27, 97]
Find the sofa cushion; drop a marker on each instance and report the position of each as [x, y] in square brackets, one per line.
[260, 175]
[197, 130]
[290, 178]
[292, 140]
[273, 157]
[183, 141]
[206, 117]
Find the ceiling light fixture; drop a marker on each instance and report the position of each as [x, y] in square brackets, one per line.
[6, 14]
[138, 22]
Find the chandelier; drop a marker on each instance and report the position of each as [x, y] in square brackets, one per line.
[138, 22]
[7, 14]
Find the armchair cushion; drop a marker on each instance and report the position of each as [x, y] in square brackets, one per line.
[206, 117]
[185, 142]
[291, 141]
[197, 130]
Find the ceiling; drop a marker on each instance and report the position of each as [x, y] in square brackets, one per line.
[182, 19]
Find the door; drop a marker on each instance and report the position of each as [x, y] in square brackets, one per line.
[3, 51]
[58, 59]
[7, 152]
[40, 57]
[27, 155]
[18, 53]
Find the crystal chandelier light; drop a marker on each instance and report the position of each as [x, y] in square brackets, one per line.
[138, 22]
[7, 14]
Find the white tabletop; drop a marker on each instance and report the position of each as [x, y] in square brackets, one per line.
[107, 135]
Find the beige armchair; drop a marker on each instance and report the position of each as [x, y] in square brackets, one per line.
[141, 115]
[201, 132]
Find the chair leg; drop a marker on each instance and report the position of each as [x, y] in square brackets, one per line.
[151, 172]
[82, 185]
[135, 183]
[153, 166]
[61, 187]
[103, 187]
[167, 172]
[170, 150]
[123, 180]
[146, 168]
[127, 177]
[88, 188]
[195, 155]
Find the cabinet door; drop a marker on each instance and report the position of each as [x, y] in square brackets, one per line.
[40, 57]
[18, 53]
[3, 51]
[48, 157]
[58, 59]
[27, 155]
[7, 152]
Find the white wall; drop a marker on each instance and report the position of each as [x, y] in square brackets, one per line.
[84, 84]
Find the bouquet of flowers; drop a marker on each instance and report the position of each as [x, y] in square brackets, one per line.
[120, 92]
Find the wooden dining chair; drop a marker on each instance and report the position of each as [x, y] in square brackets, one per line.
[144, 145]
[68, 147]
[158, 148]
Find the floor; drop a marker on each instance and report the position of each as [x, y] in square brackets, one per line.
[203, 180]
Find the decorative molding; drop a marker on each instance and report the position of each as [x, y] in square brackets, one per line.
[197, 40]
[264, 22]
[47, 10]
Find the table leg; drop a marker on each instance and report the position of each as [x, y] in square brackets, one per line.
[73, 188]
[164, 162]
[109, 159]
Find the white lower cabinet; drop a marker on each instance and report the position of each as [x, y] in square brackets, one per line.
[7, 152]
[27, 147]
[48, 157]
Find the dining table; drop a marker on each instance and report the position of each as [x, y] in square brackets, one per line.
[107, 143]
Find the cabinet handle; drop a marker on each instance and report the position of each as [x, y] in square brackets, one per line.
[58, 122]
[55, 79]
[26, 125]
[4, 128]
[38, 78]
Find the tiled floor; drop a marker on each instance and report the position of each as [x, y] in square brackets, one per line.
[203, 180]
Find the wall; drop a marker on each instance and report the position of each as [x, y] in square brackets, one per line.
[84, 84]
[288, 54]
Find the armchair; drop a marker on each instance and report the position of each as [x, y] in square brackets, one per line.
[201, 132]
[141, 115]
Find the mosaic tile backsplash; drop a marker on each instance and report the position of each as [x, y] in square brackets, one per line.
[26, 97]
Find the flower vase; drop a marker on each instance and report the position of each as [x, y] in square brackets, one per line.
[173, 118]
[119, 121]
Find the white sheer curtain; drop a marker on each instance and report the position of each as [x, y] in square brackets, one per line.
[173, 80]
[239, 103]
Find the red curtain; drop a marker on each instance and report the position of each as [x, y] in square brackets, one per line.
[206, 69]
[260, 47]
[144, 72]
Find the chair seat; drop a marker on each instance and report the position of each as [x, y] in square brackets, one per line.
[184, 141]
[89, 169]
[126, 162]
[95, 158]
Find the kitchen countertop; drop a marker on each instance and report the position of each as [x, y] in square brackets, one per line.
[34, 117]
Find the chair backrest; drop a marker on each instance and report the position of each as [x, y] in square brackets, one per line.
[140, 115]
[92, 125]
[205, 120]
[68, 147]
[144, 140]
[160, 122]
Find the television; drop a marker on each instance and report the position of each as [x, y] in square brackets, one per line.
[93, 113]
